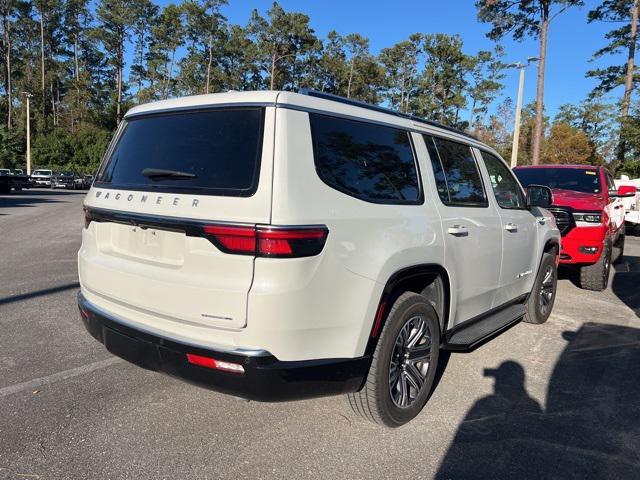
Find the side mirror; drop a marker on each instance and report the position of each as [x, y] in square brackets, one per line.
[539, 196]
[626, 191]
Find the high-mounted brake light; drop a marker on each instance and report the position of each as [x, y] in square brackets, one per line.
[285, 242]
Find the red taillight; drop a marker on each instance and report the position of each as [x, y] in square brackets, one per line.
[291, 242]
[213, 363]
[268, 241]
[233, 239]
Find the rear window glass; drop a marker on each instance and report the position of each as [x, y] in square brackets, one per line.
[214, 152]
[366, 161]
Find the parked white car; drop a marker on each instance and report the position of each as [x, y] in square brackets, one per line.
[278, 246]
[631, 204]
[41, 178]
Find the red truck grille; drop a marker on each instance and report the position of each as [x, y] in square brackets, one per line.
[564, 219]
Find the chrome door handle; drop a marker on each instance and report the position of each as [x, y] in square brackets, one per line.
[511, 227]
[458, 231]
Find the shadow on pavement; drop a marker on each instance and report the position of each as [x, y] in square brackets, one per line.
[590, 427]
[626, 282]
[569, 273]
[39, 293]
[28, 198]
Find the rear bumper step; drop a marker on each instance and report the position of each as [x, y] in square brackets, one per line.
[265, 378]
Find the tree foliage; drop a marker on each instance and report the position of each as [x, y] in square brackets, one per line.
[567, 145]
[86, 63]
[617, 13]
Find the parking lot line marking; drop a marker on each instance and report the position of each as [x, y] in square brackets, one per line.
[58, 377]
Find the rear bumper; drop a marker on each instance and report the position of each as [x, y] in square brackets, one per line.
[265, 378]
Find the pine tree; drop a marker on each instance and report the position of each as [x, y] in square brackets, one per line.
[521, 19]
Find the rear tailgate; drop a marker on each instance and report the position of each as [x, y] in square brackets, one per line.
[144, 246]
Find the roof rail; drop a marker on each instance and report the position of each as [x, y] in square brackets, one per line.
[358, 103]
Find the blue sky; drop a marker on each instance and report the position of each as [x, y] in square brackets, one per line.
[571, 40]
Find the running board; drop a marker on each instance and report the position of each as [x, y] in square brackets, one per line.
[471, 334]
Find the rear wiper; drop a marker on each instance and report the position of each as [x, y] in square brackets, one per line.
[161, 173]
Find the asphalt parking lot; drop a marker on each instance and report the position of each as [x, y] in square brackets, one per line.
[560, 400]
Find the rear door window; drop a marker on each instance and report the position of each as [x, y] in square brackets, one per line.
[508, 193]
[370, 162]
[215, 152]
[456, 172]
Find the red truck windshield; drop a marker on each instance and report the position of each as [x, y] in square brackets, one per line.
[577, 179]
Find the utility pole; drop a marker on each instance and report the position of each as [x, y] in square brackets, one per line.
[516, 127]
[28, 96]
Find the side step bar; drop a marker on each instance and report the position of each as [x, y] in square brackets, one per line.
[474, 332]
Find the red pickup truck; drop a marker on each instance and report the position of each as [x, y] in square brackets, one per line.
[590, 215]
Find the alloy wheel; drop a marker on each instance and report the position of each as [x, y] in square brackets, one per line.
[410, 362]
[546, 290]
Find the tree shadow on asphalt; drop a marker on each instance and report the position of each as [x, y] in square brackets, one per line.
[29, 198]
[626, 282]
[39, 293]
[590, 427]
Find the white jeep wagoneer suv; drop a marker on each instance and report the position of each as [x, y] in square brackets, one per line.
[278, 246]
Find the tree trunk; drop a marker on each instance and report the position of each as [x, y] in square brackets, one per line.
[42, 63]
[412, 73]
[537, 135]
[76, 67]
[473, 110]
[206, 90]
[119, 79]
[402, 82]
[628, 82]
[53, 104]
[9, 88]
[169, 74]
[350, 78]
[273, 71]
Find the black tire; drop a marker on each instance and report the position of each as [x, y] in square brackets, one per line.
[618, 248]
[596, 277]
[543, 293]
[375, 401]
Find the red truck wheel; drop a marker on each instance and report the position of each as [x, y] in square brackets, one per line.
[596, 277]
[618, 249]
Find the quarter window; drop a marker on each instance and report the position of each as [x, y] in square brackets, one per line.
[367, 161]
[505, 187]
[456, 172]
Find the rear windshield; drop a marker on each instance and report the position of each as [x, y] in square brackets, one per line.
[577, 179]
[215, 152]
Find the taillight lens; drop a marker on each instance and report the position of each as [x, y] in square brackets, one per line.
[240, 240]
[278, 242]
